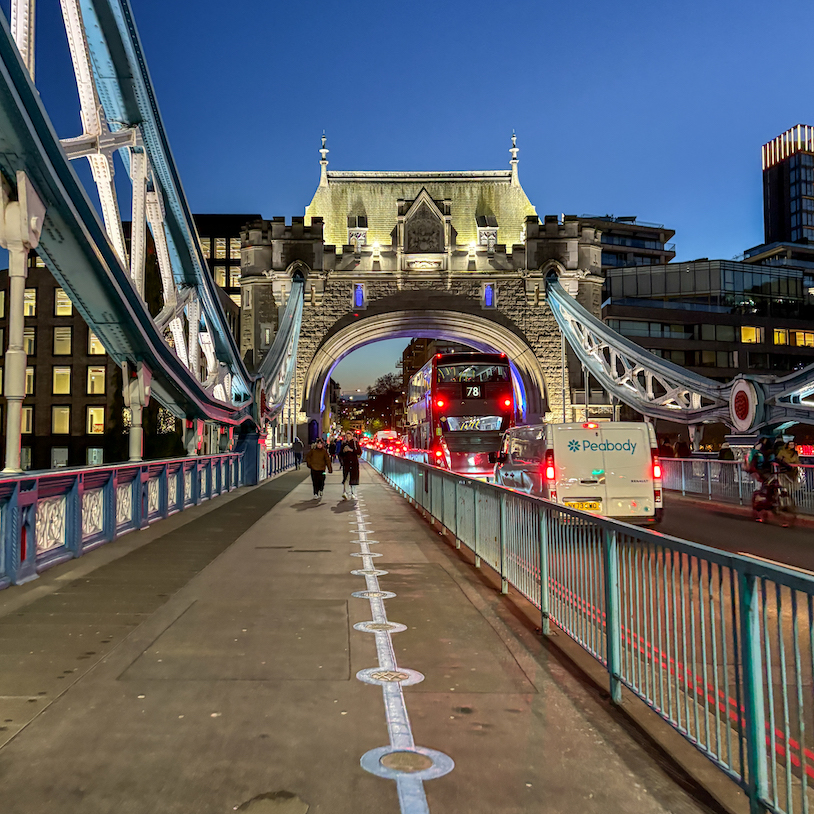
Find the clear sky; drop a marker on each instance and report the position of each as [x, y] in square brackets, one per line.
[635, 108]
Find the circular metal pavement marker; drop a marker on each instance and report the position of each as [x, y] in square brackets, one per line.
[368, 572]
[379, 676]
[418, 762]
[373, 594]
[379, 627]
[363, 554]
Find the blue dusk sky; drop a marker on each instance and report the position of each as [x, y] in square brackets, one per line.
[636, 108]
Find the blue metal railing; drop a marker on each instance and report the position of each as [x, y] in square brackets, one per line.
[49, 517]
[726, 482]
[720, 646]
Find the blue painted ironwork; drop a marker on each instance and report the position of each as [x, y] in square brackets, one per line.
[49, 517]
[719, 645]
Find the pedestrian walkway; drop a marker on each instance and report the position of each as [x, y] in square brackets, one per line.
[271, 653]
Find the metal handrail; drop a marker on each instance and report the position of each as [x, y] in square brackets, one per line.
[727, 482]
[47, 518]
[719, 645]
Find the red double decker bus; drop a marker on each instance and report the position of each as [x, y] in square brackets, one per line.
[459, 405]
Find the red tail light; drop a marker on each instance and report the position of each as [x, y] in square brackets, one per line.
[438, 453]
[656, 467]
[590, 425]
[439, 402]
[507, 402]
[550, 472]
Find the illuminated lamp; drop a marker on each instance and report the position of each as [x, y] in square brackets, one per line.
[507, 402]
[439, 402]
[590, 425]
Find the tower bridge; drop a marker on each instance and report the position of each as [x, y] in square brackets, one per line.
[234, 634]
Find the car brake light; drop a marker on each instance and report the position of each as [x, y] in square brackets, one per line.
[550, 473]
[439, 403]
[438, 453]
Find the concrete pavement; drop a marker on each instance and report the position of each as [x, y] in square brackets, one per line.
[215, 669]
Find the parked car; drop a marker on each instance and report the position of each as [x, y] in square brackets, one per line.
[609, 468]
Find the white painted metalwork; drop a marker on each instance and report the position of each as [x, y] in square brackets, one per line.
[92, 511]
[50, 523]
[124, 503]
[153, 493]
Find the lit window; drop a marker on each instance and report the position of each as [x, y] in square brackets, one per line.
[96, 456]
[27, 420]
[29, 381]
[62, 341]
[60, 420]
[359, 295]
[63, 307]
[96, 420]
[59, 457]
[30, 302]
[29, 339]
[2, 304]
[96, 381]
[489, 297]
[39, 262]
[220, 248]
[751, 336]
[235, 298]
[220, 276]
[781, 336]
[234, 248]
[234, 276]
[802, 339]
[206, 245]
[62, 381]
[95, 347]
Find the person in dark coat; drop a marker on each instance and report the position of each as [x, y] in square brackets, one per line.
[297, 449]
[349, 455]
[318, 460]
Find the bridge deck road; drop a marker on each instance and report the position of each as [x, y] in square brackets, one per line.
[732, 529]
[214, 669]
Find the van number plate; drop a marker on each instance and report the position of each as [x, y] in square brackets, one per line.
[584, 505]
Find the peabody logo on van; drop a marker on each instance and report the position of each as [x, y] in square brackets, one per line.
[603, 446]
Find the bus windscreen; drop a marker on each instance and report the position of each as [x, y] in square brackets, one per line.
[475, 372]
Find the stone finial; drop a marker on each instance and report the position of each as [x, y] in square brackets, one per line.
[323, 176]
[514, 150]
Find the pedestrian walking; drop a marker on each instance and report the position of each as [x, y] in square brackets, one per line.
[318, 460]
[332, 448]
[297, 449]
[349, 455]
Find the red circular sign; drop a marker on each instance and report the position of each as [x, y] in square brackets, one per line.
[741, 406]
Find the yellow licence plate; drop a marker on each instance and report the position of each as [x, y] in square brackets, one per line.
[584, 505]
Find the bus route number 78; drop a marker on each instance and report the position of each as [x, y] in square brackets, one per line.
[472, 391]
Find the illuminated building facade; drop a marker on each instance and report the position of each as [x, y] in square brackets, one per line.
[788, 186]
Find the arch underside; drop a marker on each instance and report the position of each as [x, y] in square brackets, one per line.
[480, 333]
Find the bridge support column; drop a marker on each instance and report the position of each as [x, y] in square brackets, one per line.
[136, 390]
[20, 228]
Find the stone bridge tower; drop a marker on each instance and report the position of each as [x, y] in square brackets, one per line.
[453, 255]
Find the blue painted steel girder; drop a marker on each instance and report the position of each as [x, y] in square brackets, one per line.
[76, 249]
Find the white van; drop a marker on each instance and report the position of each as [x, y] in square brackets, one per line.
[384, 437]
[603, 467]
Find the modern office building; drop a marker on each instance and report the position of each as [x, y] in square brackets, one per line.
[788, 186]
[717, 318]
[627, 241]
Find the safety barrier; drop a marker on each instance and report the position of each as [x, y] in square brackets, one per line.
[721, 646]
[725, 481]
[49, 517]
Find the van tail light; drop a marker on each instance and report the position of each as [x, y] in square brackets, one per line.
[590, 425]
[657, 494]
[550, 472]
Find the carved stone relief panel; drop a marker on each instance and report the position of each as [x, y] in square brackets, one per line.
[92, 511]
[50, 523]
[424, 232]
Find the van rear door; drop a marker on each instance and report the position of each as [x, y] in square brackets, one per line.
[579, 466]
[628, 469]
